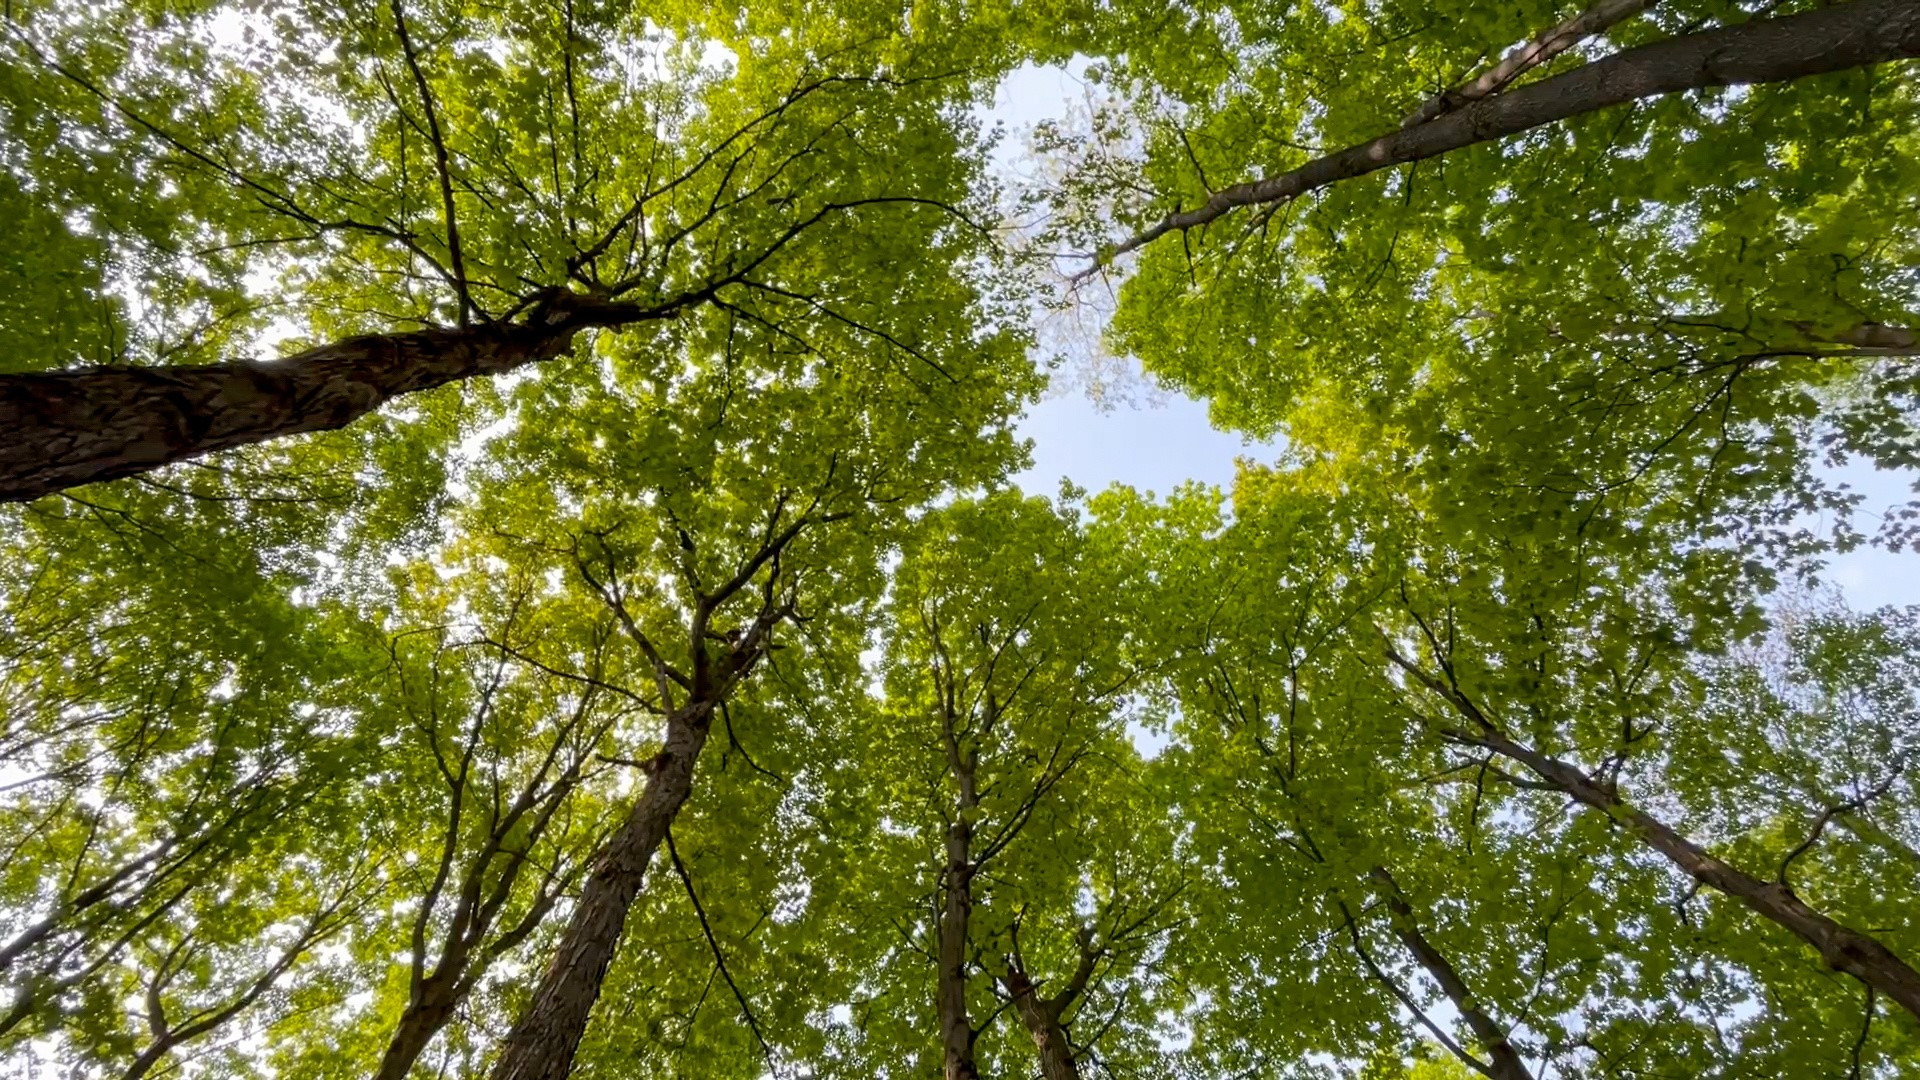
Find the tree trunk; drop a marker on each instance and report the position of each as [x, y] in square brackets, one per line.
[1843, 948]
[61, 429]
[1505, 1063]
[542, 1044]
[956, 1027]
[1814, 42]
[142, 1065]
[1043, 1023]
[422, 1020]
[1594, 20]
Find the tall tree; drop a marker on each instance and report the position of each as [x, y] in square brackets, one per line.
[1760, 50]
[435, 209]
[699, 697]
[1008, 675]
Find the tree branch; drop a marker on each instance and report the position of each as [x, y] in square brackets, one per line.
[441, 165]
[1594, 20]
[1823, 40]
[719, 959]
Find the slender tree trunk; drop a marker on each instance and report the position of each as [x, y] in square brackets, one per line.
[956, 1027]
[1043, 1023]
[1843, 948]
[434, 997]
[1505, 1062]
[542, 1044]
[1826, 39]
[142, 1065]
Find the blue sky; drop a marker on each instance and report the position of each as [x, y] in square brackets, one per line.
[1157, 445]
[1154, 446]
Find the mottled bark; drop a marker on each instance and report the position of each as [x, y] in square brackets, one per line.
[1814, 42]
[544, 1040]
[956, 886]
[542, 1044]
[60, 429]
[65, 428]
[1504, 1061]
[1042, 1019]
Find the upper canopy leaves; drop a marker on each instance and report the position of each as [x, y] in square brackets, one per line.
[1473, 735]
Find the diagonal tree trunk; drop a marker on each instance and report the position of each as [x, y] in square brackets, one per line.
[1844, 949]
[1504, 1063]
[542, 1043]
[1594, 20]
[544, 1040]
[1826, 39]
[67, 428]
[61, 429]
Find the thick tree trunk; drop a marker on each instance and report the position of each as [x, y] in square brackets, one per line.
[61, 429]
[1504, 1063]
[542, 1044]
[422, 1020]
[956, 884]
[1814, 42]
[1043, 1023]
[1842, 947]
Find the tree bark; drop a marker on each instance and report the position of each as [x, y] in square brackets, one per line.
[543, 1041]
[1843, 948]
[1042, 1019]
[434, 997]
[1505, 1063]
[1594, 20]
[61, 429]
[542, 1044]
[418, 1025]
[956, 1028]
[1826, 39]
[65, 428]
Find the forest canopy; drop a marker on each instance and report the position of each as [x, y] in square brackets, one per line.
[512, 565]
